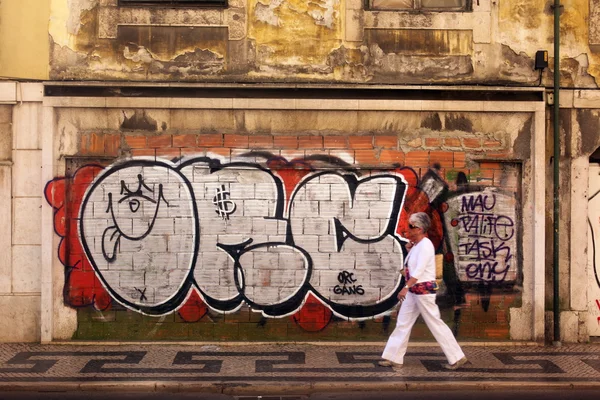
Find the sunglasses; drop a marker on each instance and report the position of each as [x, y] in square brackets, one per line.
[411, 226]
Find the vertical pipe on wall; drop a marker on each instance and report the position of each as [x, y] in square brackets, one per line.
[556, 109]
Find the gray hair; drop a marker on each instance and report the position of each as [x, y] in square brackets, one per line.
[421, 220]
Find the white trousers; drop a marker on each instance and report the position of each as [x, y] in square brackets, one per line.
[413, 305]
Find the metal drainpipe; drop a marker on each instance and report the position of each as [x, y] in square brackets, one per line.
[556, 302]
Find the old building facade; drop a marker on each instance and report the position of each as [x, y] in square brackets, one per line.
[244, 170]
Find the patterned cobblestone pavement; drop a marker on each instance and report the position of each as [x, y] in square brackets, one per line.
[301, 368]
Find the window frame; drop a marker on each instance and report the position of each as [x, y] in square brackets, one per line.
[418, 8]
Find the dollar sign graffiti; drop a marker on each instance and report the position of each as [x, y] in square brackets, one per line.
[225, 207]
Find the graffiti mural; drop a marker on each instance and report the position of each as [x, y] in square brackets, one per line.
[482, 235]
[311, 238]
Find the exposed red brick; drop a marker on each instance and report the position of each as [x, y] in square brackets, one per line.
[486, 176]
[161, 141]
[310, 142]
[84, 145]
[192, 151]
[433, 142]
[490, 165]
[366, 157]
[260, 142]
[360, 142]
[112, 144]
[285, 142]
[168, 153]
[459, 159]
[335, 142]
[444, 158]
[391, 157]
[210, 140]
[92, 143]
[492, 143]
[184, 140]
[472, 143]
[236, 141]
[417, 159]
[143, 152]
[387, 142]
[136, 142]
[452, 142]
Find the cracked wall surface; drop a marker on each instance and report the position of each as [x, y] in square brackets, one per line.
[322, 41]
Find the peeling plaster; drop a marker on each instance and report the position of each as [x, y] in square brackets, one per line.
[266, 13]
[76, 8]
[142, 55]
[326, 14]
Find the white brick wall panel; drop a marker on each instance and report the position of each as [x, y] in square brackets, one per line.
[331, 209]
[368, 260]
[342, 261]
[178, 208]
[226, 277]
[264, 226]
[149, 244]
[265, 191]
[241, 191]
[379, 278]
[317, 226]
[259, 261]
[318, 191]
[380, 209]
[310, 243]
[352, 246]
[216, 264]
[368, 191]
[173, 191]
[199, 190]
[291, 261]
[208, 243]
[330, 178]
[391, 260]
[282, 227]
[180, 244]
[150, 254]
[327, 244]
[366, 228]
[303, 209]
[321, 259]
[231, 239]
[259, 208]
[201, 173]
[239, 225]
[340, 191]
[300, 194]
[184, 259]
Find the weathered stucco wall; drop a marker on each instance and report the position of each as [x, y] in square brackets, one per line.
[331, 41]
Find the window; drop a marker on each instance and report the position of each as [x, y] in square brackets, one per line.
[174, 3]
[421, 5]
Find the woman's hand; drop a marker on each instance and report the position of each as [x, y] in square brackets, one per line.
[402, 294]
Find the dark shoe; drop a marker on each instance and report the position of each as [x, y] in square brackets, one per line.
[457, 364]
[388, 363]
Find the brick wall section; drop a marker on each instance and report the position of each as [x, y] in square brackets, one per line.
[366, 151]
[449, 154]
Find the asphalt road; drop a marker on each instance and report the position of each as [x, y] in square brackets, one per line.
[424, 395]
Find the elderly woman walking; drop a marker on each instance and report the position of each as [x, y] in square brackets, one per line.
[418, 297]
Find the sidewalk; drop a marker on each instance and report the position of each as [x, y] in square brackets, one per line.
[263, 369]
